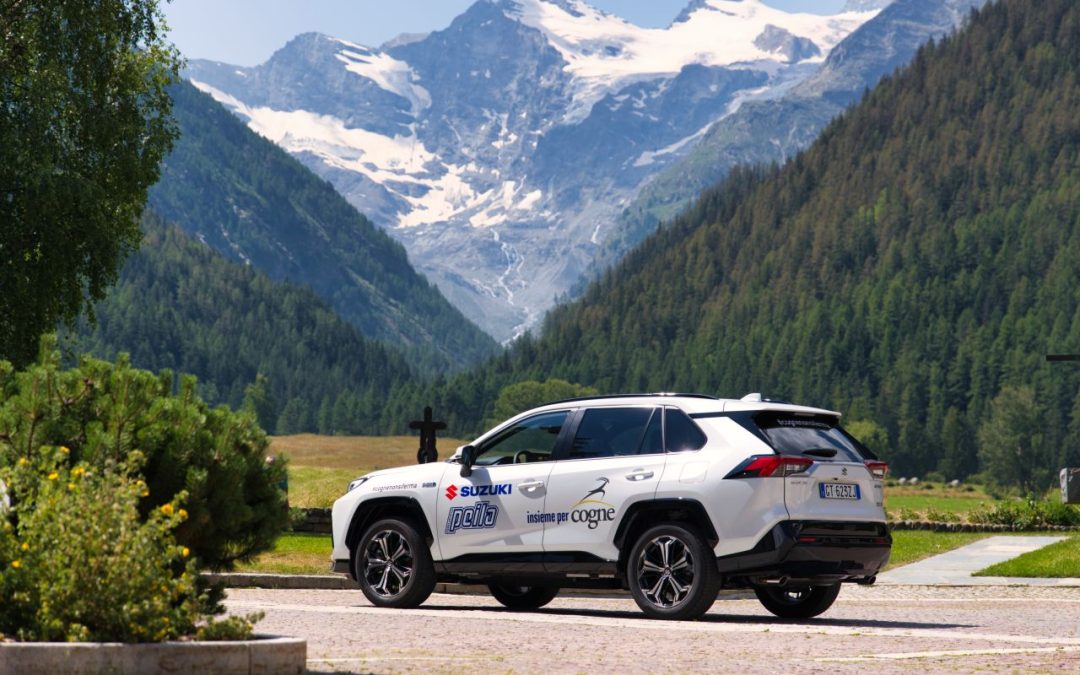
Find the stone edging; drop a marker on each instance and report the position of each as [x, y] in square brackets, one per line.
[292, 581]
[973, 527]
[270, 654]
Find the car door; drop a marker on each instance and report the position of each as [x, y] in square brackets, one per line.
[616, 458]
[494, 513]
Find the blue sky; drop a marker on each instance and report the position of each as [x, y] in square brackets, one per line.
[246, 32]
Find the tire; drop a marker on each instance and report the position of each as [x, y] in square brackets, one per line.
[393, 565]
[672, 573]
[523, 597]
[797, 603]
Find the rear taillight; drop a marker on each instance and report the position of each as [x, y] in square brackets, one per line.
[763, 466]
[877, 469]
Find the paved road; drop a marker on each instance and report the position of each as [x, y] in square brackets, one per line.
[881, 629]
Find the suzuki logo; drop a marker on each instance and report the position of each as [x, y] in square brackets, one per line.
[451, 492]
[844, 471]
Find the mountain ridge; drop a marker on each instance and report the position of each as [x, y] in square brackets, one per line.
[500, 162]
[254, 203]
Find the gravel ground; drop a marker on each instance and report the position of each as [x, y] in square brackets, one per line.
[879, 629]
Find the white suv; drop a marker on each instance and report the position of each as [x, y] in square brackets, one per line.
[672, 496]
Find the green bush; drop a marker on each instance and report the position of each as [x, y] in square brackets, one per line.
[104, 412]
[79, 562]
[936, 516]
[1027, 514]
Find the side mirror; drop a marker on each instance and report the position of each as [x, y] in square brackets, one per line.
[468, 456]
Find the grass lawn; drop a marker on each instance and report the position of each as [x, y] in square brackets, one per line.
[320, 467]
[1056, 560]
[912, 545]
[310, 553]
[294, 553]
[945, 500]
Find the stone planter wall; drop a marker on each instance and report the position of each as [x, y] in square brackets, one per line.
[970, 527]
[316, 521]
[268, 655]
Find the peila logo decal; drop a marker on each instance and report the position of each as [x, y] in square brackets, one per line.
[479, 516]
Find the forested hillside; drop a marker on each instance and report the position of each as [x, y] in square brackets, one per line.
[180, 305]
[251, 201]
[921, 257]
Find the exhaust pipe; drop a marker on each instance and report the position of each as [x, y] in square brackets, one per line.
[867, 581]
[774, 581]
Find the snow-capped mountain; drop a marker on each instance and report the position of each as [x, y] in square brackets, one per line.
[773, 130]
[501, 149]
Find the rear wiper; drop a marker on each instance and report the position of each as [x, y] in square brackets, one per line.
[820, 452]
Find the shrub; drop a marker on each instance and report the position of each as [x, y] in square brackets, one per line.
[1027, 514]
[79, 562]
[936, 516]
[104, 412]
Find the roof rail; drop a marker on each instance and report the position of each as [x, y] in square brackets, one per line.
[611, 396]
[756, 397]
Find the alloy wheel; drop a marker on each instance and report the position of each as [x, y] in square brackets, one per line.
[665, 571]
[388, 563]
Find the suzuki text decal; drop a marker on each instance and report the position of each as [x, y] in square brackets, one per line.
[479, 490]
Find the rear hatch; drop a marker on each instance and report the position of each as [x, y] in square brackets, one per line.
[839, 484]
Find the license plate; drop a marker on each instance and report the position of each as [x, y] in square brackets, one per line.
[838, 490]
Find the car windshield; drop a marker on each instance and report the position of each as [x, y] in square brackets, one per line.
[819, 436]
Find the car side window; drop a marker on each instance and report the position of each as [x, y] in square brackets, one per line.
[680, 432]
[612, 432]
[529, 440]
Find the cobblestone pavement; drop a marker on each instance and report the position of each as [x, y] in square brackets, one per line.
[881, 629]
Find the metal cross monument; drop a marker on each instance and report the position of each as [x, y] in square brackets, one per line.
[428, 427]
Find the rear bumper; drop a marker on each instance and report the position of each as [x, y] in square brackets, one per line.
[814, 551]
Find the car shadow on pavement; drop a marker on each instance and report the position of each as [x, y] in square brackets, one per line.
[710, 617]
[845, 623]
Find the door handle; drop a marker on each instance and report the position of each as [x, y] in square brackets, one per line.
[639, 474]
[531, 485]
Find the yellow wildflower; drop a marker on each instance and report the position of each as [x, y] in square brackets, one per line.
[71, 486]
[64, 449]
[23, 461]
[16, 564]
[185, 552]
[25, 546]
[167, 509]
[182, 513]
[78, 472]
[53, 475]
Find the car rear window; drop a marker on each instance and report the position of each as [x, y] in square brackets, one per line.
[791, 434]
